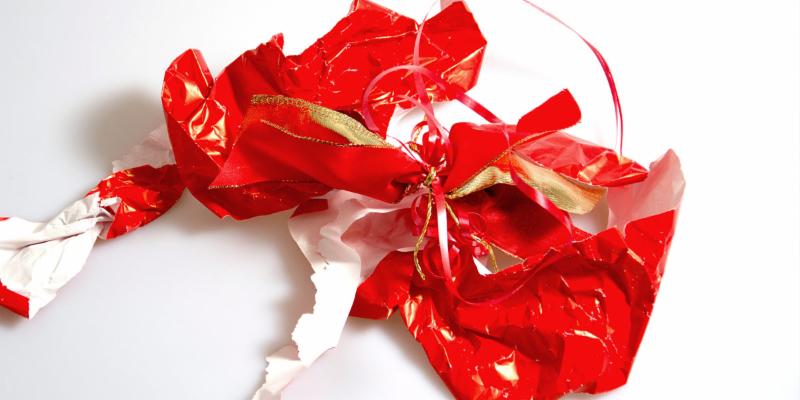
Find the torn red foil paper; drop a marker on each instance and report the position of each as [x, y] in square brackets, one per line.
[392, 225]
[575, 319]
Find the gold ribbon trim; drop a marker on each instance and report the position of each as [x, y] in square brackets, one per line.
[429, 214]
[342, 124]
[566, 193]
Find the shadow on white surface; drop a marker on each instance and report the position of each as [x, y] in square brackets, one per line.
[188, 270]
[112, 128]
[292, 268]
[271, 231]
[117, 122]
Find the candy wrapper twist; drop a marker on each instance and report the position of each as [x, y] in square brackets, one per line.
[389, 225]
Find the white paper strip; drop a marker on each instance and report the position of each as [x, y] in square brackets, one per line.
[344, 245]
[36, 259]
[155, 151]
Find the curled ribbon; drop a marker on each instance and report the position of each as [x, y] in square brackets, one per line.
[438, 139]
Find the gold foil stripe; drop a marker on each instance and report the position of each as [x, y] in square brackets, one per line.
[315, 140]
[486, 177]
[567, 194]
[483, 179]
[344, 125]
[295, 181]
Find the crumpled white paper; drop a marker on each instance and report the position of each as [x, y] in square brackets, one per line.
[344, 244]
[37, 259]
[155, 151]
[660, 192]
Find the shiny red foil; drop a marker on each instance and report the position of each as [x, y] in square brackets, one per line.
[144, 193]
[568, 318]
[205, 115]
[265, 154]
[572, 324]
[539, 137]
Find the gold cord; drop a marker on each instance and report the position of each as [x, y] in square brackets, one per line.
[428, 182]
[421, 237]
[490, 251]
[429, 213]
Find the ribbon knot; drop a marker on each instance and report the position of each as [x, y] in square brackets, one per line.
[430, 177]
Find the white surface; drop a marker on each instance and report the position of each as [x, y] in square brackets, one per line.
[189, 306]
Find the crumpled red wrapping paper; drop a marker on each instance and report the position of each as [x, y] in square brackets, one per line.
[145, 193]
[568, 317]
[579, 302]
[574, 323]
[578, 310]
[205, 115]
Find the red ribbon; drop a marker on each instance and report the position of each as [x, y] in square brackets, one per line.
[606, 70]
[435, 128]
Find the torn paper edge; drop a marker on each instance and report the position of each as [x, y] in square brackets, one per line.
[340, 264]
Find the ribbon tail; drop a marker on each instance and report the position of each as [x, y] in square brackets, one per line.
[441, 230]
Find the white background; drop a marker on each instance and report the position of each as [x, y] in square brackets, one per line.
[188, 307]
